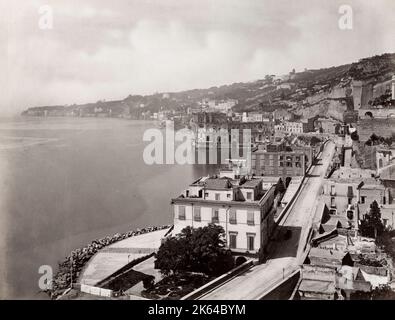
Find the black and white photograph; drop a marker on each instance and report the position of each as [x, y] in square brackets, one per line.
[190, 156]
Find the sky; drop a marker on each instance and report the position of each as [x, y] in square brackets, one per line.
[100, 49]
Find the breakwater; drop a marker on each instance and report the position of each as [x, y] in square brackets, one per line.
[70, 268]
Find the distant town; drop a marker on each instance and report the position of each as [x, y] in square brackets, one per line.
[310, 216]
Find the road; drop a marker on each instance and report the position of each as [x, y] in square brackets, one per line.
[284, 255]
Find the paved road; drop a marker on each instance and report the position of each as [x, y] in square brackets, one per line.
[284, 256]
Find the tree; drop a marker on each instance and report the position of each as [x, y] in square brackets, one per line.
[371, 225]
[170, 256]
[197, 250]
[149, 282]
[280, 188]
[383, 292]
[314, 140]
[354, 136]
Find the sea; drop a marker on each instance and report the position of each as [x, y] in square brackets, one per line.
[67, 181]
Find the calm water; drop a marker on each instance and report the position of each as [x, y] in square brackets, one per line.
[65, 182]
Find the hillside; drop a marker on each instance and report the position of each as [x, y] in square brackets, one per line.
[307, 93]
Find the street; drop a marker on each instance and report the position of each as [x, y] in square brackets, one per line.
[284, 256]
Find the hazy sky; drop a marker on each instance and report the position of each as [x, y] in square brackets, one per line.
[101, 49]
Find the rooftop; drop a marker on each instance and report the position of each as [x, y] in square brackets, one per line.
[218, 183]
[251, 183]
[327, 254]
[348, 173]
[203, 188]
[318, 286]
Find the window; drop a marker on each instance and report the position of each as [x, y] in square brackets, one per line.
[281, 164]
[250, 218]
[181, 212]
[363, 199]
[289, 164]
[350, 192]
[333, 204]
[196, 214]
[232, 240]
[385, 222]
[297, 158]
[215, 217]
[232, 216]
[206, 194]
[281, 157]
[384, 200]
[217, 196]
[249, 195]
[229, 196]
[298, 165]
[349, 200]
[332, 190]
[250, 242]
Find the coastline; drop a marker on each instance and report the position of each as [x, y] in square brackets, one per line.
[71, 267]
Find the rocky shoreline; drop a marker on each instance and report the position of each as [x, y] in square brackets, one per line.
[70, 268]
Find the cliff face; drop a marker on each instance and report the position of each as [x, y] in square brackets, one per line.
[328, 108]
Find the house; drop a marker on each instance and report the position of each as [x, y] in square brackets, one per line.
[329, 257]
[352, 190]
[243, 206]
[277, 160]
[317, 283]
[351, 279]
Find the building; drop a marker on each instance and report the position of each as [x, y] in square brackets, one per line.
[223, 106]
[243, 206]
[339, 263]
[349, 192]
[209, 127]
[383, 127]
[369, 192]
[329, 257]
[256, 117]
[329, 126]
[384, 159]
[340, 190]
[283, 115]
[317, 283]
[296, 127]
[350, 117]
[278, 160]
